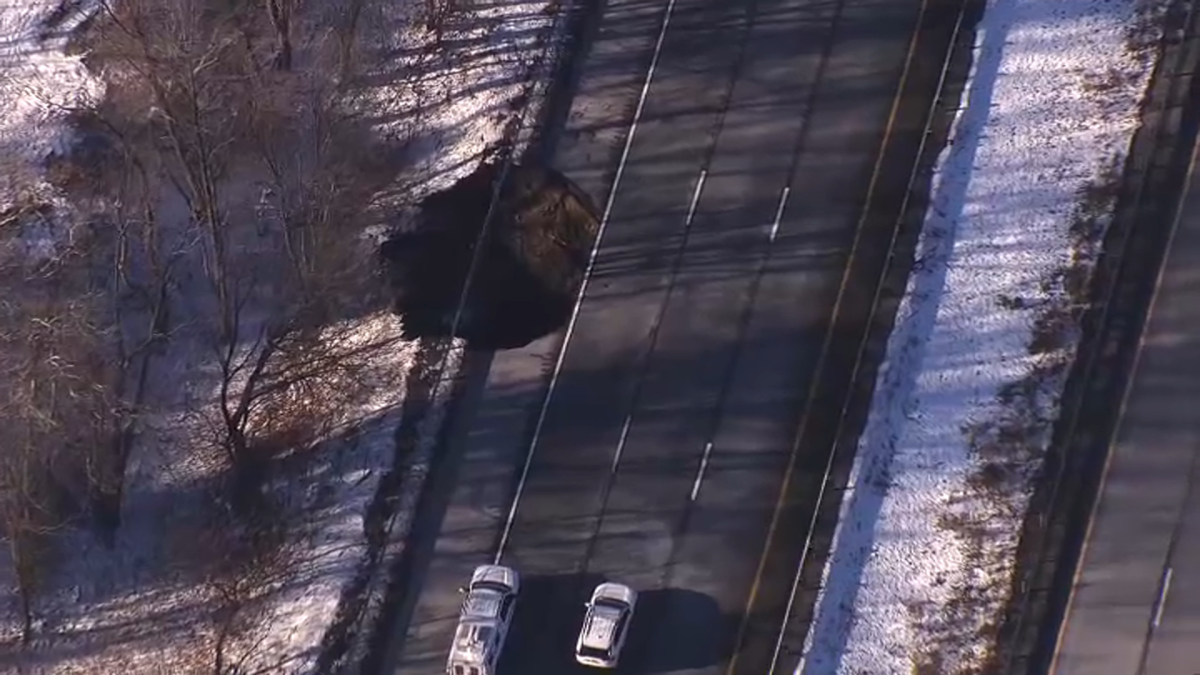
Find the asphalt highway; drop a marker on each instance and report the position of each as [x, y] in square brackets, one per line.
[1135, 607]
[735, 149]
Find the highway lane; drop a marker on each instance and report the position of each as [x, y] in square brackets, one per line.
[1135, 608]
[795, 123]
[587, 427]
[676, 401]
[701, 325]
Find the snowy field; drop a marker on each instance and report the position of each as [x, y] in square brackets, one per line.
[135, 604]
[963, 407]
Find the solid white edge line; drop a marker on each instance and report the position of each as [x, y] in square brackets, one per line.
[1162, 596]
[700, 472]
[558, 364]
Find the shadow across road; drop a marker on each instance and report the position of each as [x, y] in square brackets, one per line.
[547, 620]
[673, 630]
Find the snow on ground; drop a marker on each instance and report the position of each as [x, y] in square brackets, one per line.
[923, 553]
[137, 606]
[39, 85]
[152, 603]
[38, 82]
[501, 45]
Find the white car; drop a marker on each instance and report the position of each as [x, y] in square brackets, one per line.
[484, 620]
[605, 625]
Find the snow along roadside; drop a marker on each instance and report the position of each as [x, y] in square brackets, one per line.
[924, 550]
[97, 608]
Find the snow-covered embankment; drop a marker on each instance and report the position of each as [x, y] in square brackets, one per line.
[963, 406]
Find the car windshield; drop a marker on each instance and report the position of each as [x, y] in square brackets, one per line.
[610, 604]
[491, 586]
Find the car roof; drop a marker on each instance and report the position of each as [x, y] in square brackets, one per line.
[600, 627]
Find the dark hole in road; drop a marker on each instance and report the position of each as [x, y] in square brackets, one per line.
[528, 274]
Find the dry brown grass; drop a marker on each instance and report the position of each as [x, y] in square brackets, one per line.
[1008, 448]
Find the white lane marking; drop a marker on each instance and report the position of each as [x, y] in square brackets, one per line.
[537, 431]
[691, 214]
[652, 339]
[700, 472]
[1162, 596]
[783, 196]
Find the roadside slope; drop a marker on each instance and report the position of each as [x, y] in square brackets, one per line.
[962, 410]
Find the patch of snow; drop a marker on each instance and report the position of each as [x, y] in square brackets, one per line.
[335, 494]
[1033, 131]
[292, 625]
[39, 86]
[39, 83]
[460, 111]
[152, 598]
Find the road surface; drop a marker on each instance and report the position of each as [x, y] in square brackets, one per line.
[1135, 608]
[736, 148]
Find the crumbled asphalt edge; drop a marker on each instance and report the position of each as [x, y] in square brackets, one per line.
[831, 425]
[1042, 581]
[378, 601]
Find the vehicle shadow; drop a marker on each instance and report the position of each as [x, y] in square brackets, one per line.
[676, 629]
[549, 613]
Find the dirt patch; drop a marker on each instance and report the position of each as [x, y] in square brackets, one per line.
[528, 271]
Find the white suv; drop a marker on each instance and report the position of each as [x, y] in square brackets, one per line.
[605, 625]
[483, 621]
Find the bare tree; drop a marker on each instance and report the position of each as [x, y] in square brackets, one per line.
[280, 279]
[280, 12]
[252, 566]
[55, 396]
[197, 100]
